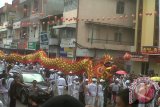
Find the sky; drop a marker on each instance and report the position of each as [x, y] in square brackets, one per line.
[3, 1]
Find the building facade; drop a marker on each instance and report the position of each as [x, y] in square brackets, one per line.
[146, 55]
[29, 27]
[6, 18]
[91, 30]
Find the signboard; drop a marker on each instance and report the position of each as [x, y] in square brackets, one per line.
[150, 50]
[84, 53]
[16, 25]
[6, 46]
[67, 42]
[44, 38]
[66, 52]
[14, 45]
[32, 45]
[22, 45]
[140, 58]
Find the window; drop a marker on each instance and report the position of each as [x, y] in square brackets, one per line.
[25, 11]
[118, 37]
[120, 7]
[35, 5]
[70, 5]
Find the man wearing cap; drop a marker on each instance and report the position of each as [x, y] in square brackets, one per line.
[61, 84]
[86, 92]
[76, 88]
[92, 89]
[70, 85]
[100, 93]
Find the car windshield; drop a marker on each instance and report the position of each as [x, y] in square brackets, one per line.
[1, 69]
[28, 78]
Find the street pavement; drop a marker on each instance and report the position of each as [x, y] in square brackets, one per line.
[19, 104]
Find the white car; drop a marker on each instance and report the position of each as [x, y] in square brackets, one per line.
[1, 104]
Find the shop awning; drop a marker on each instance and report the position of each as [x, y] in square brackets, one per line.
[3, 30]
[65, 26]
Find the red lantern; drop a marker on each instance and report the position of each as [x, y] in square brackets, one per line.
[140, 14]
[62, 19]
[127, 56]
[133, 15]
[55, 17]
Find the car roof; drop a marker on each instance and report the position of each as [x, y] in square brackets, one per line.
[29, 72]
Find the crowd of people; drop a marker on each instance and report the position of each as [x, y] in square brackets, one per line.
[98, 93]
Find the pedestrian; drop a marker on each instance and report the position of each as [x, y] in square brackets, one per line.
[33, 92]
[63, 101]
[100, 93]
[3, 92]
[12, 91]
[115, 87]
[86, 92]
[70, 83]
[122, 99]
[81, 91]
[61, 84]
[76, 88]
[92, 89]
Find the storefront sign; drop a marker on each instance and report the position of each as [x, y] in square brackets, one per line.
[32, 45]
[150, 50]
[67, 42]
[66, 52]
[140, 58]
[14, 45]
[6, 46]
[16, 25]
[44, 38]
[84, 53]
[22, 45]
[154, 58]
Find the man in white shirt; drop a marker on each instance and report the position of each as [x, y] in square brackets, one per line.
[76, 86]
[100, 94]
[92, 89]
[86, 92]
[70, 85]
[61, 84]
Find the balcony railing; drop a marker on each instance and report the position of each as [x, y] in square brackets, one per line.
[103, 41]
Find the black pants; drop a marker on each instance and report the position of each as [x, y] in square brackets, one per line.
[12, 102]
[82, 97]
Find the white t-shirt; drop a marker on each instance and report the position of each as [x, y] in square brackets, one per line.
[92, 89]
[75, 87]
[100, 90]
[70, 80]
[9, 81]
[61, 82]
[115, 87]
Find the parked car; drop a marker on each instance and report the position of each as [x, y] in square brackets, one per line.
[27, 78]
[1, 69]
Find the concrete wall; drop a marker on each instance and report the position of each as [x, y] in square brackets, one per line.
[155, 66]
[148, 23]
[93, 9]
[70, 14]
[136, 67]
[53, 7]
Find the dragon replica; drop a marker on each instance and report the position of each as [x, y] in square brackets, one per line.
[102, 69]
